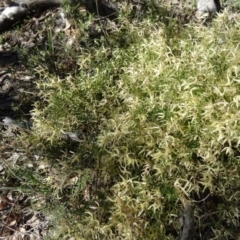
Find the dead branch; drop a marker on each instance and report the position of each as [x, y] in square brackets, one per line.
[14, 11]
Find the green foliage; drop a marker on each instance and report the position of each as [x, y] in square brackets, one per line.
[158, 121]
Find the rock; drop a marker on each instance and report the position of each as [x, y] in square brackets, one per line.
[208, 6]
[103, 8]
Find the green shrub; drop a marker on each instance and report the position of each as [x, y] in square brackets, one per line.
[158, 121]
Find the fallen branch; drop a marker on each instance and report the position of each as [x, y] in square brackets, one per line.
[19, 8]
[16, 10]
[187, 230]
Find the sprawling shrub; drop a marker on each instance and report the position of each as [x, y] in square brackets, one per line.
[158, 123]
